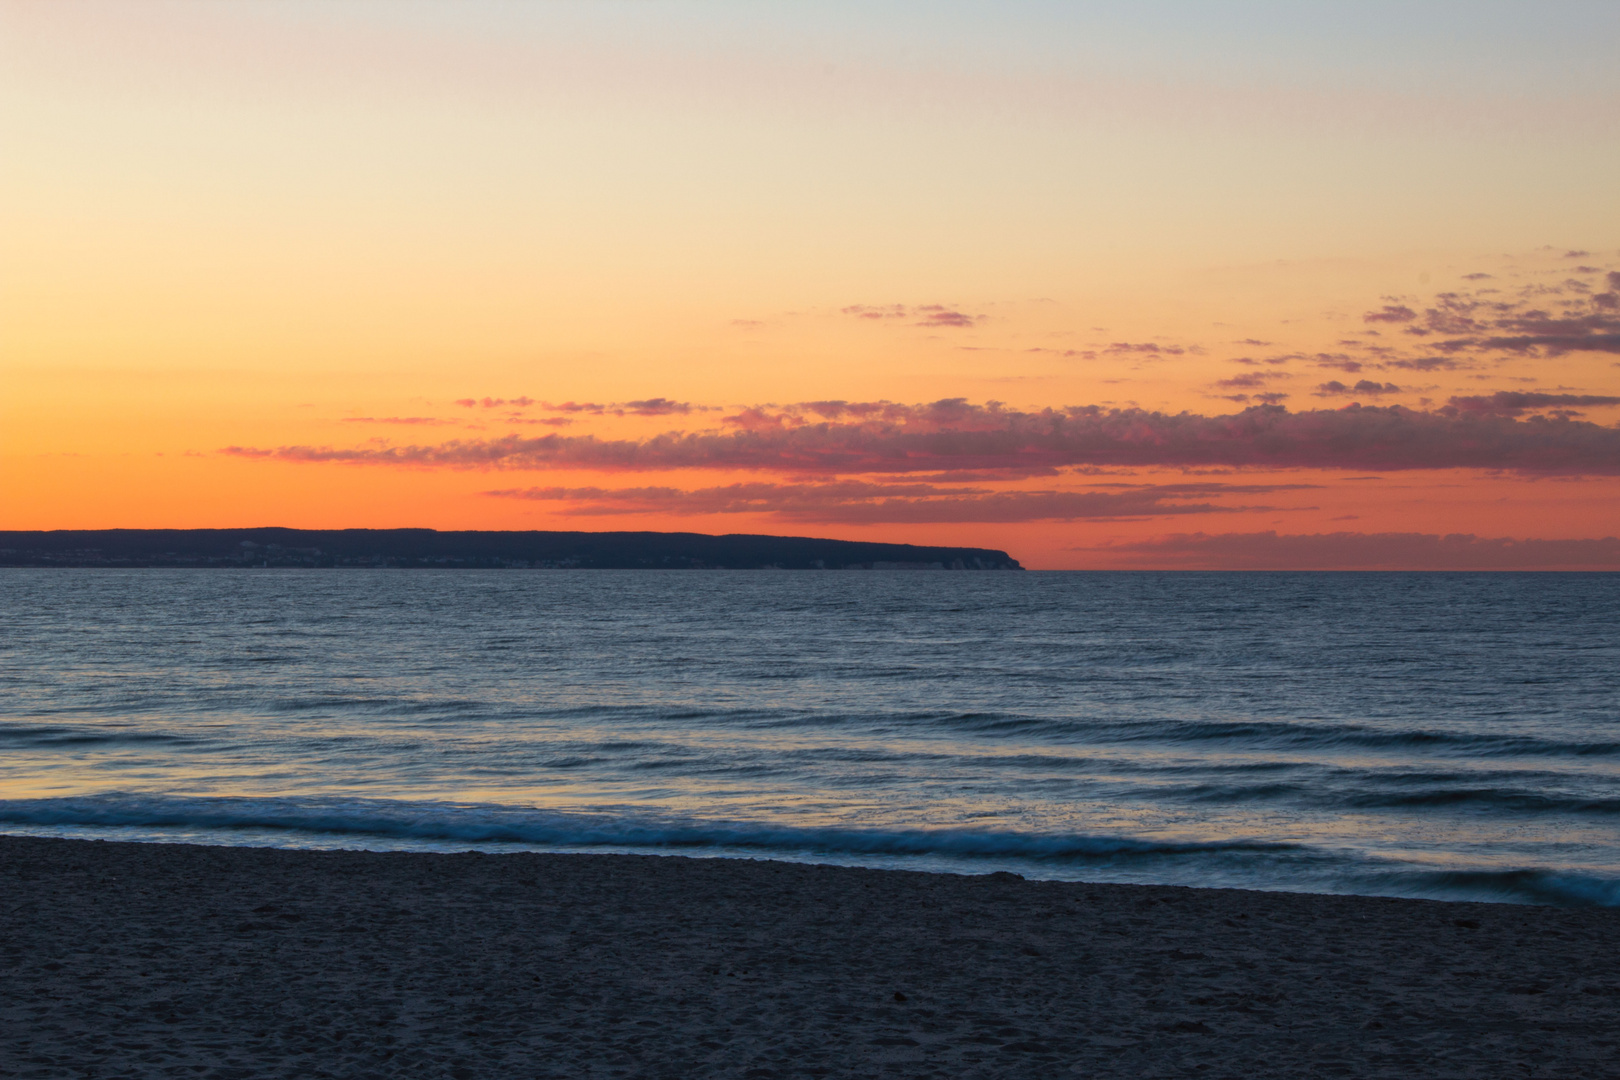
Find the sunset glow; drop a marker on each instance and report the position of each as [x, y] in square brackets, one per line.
[1176, 285]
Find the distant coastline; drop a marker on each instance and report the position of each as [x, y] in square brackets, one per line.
[473, 549]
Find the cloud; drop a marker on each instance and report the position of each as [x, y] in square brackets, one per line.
[1426, 363]
[938, 315]
[860, 502]
[943, 317]
[1362, 551]
[416, 420]
[649, 407]
[1145, 348]
[1557, 344]
[864, 311]
[491, 403]
[885, 437]
[1391, 313]
[1544, 319]
[1516, 403]
[1364, 388]
[1255, 380]
[657, 407]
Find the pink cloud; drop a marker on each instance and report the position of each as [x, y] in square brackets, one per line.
[1391, 313]
[953, 435]
[864, 311]
[860, 502]
[949, 318]
[934, 315]
[1362, 551]
[413, 420]
[494, 402]
[1516, 403]
[1548, 320]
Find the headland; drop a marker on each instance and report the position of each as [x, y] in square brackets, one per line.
[475, 549]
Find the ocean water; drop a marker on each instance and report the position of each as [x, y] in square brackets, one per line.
[1441, 735]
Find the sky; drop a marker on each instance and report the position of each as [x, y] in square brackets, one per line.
[1104, 285]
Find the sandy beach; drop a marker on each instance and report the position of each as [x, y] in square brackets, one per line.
[137, 960]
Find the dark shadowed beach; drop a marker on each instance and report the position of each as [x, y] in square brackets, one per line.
[148, 960]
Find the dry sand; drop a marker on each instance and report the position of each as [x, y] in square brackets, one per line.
[167, 960]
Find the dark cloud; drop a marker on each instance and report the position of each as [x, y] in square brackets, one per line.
[657, 407]
[1247, 381]
[1146, 348]
[1364, 388]
[859, 502]
[1426, 363]
[1516, 403]
[1557, 344]
[650, 407]
[1543, 319]
[1395, 313]
[1364, 551]
[885, 437]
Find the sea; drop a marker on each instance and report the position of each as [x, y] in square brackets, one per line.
[1454, 736]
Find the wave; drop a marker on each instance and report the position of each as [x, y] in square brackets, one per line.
[1290, 735]
[1493, 798]
[1245, 733]
[59, 735]
[1235, 863]
[1527, 886]
[1296, 736]
[483, 824]
[1341, 795]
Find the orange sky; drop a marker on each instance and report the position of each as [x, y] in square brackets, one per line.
[259, 256]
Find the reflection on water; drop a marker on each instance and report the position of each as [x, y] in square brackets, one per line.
[1422, 733]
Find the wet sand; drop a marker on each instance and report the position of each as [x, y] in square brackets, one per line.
[139, 960]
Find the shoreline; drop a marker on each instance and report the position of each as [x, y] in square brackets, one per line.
[139, 959]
